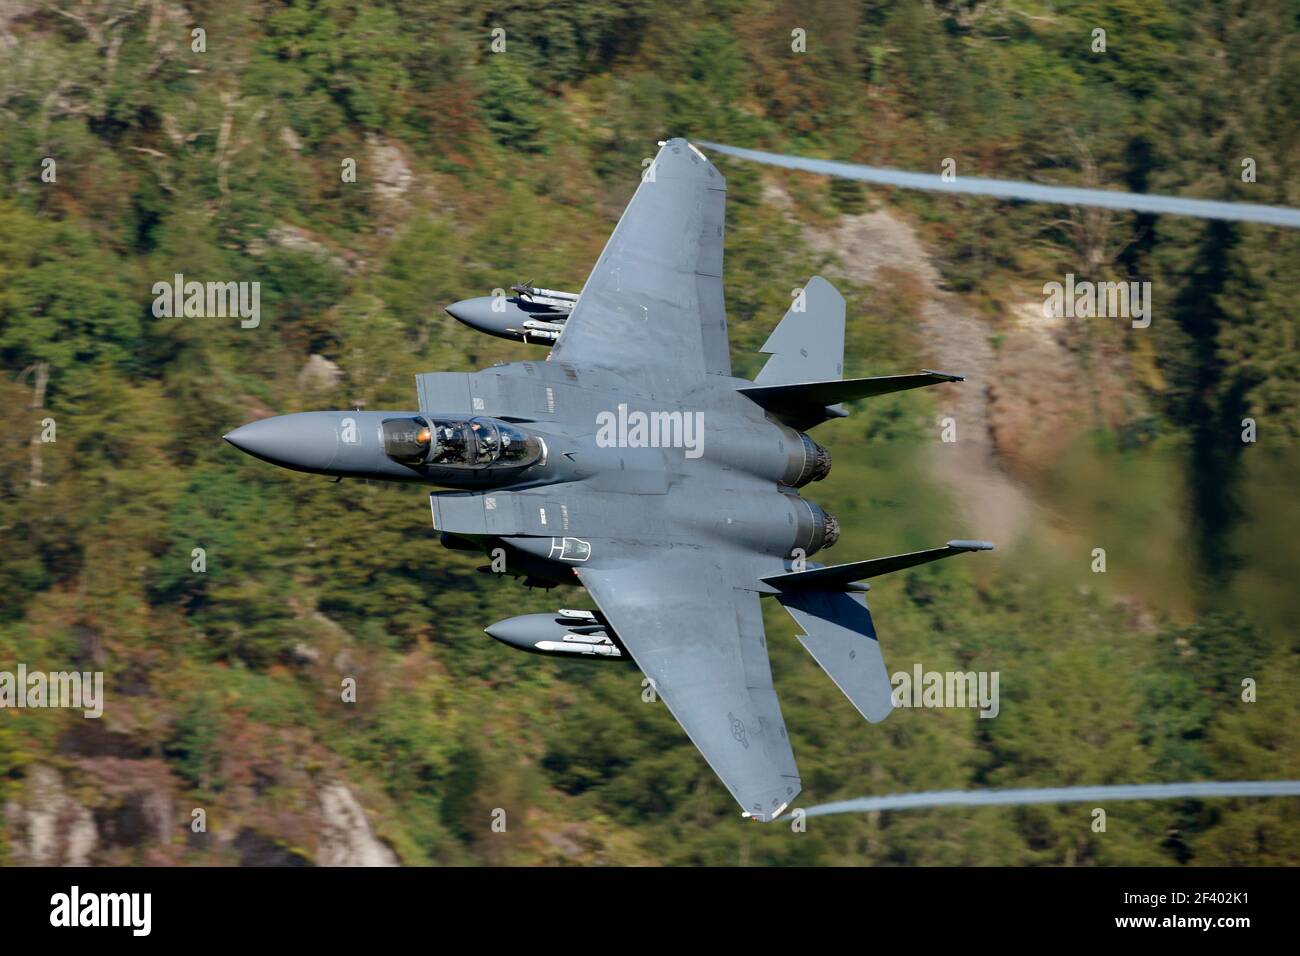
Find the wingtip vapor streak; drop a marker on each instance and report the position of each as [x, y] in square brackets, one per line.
[679, 520]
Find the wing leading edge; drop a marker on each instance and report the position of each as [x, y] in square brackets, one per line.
[653, 304]
[701, 642]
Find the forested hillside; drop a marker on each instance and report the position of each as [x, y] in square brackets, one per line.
[133, 149]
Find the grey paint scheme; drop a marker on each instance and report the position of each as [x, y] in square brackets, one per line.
[676, 551]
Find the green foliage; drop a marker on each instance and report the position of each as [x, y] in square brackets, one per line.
[62, 299]
[513, 109]
[194, 747]
[343, 62]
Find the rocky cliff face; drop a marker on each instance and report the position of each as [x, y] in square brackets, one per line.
[116, 813]
[1031, 389]
[47, 827]
[346, 838]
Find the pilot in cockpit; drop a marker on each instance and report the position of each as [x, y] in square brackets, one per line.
[484, 436]
[475, 443]
[449, 445]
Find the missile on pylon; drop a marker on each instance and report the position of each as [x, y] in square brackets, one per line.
[566, 634]
[530, 315]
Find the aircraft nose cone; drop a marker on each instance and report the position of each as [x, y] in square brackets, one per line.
[460, 311]
[244, 437]
[507, 632]
[307, 441]
[475, 313]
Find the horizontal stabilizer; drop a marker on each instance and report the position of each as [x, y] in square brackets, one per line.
[840, 576]
[842, 640]
[805, 404]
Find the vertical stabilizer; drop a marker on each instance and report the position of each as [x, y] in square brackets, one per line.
[808, 344]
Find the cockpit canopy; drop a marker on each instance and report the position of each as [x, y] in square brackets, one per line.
[474, 442]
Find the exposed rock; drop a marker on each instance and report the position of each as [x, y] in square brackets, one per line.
[565, 842]
[304, 653]
[1024, 401]
[868, 247]
[46, 826]
[319, 374]
[1041, 397]
[866, 242]
[346, 838]
[297, 239]
[390, 175]
[290, 138]
[344, 662]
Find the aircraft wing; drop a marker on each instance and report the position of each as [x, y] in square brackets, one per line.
[652, 307]
[701, 642]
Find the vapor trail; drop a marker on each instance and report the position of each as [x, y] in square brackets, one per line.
[988, 798]
[1031, 192]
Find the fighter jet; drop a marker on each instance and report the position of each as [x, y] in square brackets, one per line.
[633, 463]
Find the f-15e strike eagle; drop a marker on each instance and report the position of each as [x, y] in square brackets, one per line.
[632, 462]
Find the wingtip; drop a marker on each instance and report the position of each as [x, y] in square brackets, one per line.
[964, 545]
[947, 376]
[761, 817]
